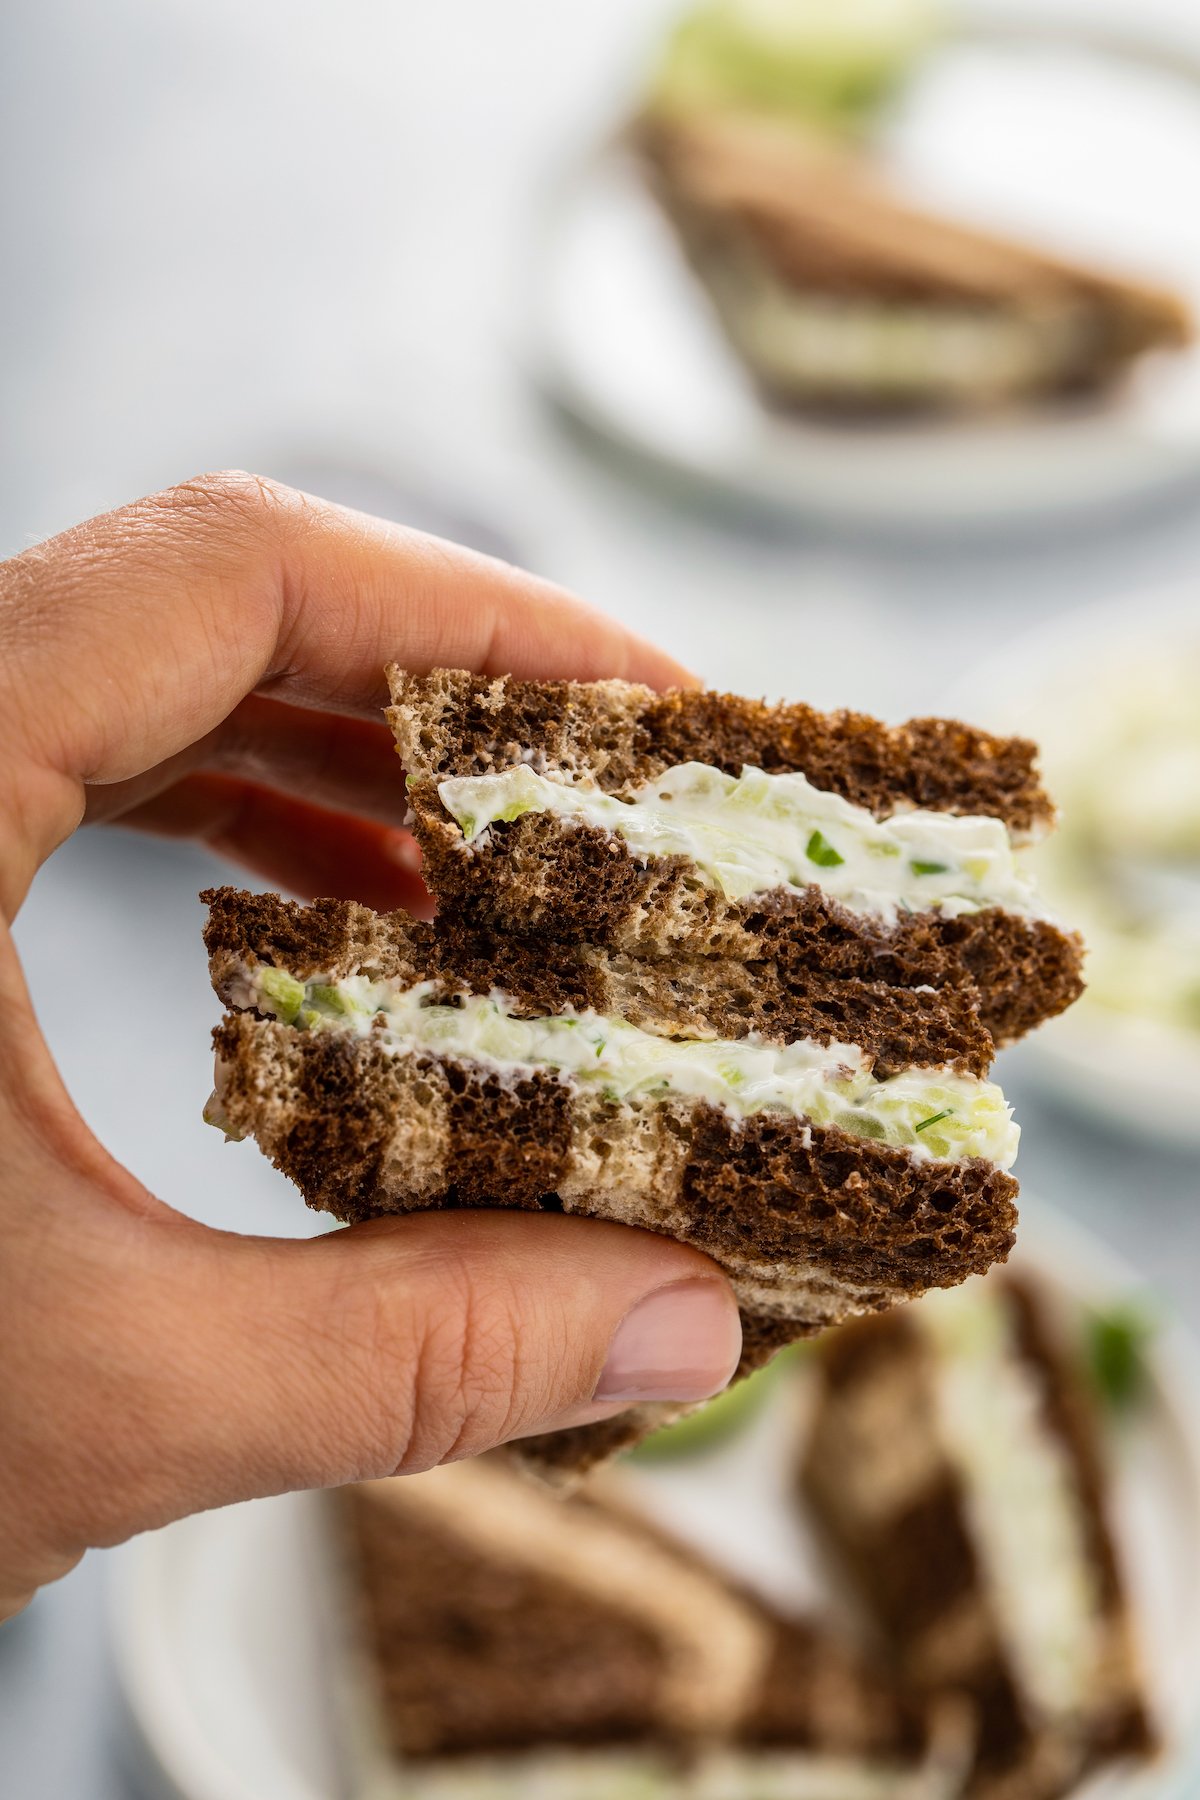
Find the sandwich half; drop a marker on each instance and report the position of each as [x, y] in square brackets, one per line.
[710, 825]
[832, 1142]
[837, 294]
[514, 1644]
[954, 1468]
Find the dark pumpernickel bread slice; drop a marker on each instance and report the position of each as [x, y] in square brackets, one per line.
[500, 1622]
[542, 878]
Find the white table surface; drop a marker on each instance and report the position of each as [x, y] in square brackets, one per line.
[290, 237]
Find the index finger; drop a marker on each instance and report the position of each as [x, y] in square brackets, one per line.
[155, 620]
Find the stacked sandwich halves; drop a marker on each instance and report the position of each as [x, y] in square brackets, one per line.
[725, 971]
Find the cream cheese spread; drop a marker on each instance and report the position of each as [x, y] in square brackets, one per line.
[1020, 1496]
[934, 1114]
[605, 1774]
[948, 351]
[755, 832]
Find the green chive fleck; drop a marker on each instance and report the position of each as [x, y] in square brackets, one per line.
[929, 868]
[934, 1119]
[822, 852]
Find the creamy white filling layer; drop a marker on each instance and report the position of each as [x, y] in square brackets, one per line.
[876, 348]
[933, 1114]
[552, 1774]
[1020, 1495]
[751, 833]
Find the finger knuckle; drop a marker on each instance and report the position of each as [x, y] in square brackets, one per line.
[466, 1376]
[232, 496]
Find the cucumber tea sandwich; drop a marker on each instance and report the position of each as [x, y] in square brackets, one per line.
[729, 972]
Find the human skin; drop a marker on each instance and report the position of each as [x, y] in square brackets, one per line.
[207, 664]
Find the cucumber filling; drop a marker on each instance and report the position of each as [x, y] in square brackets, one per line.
[751, 833]
[936, 1115]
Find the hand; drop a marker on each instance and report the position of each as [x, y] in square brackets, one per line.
[208, 664]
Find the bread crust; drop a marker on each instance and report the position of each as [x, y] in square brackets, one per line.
[452, 722]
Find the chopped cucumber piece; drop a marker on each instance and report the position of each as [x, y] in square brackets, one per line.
[214, 1114]
[334, 1000]
[283, 992]
[822, 852]
[862, 1124]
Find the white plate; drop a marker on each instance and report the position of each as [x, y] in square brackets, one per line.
[1139, 1077]
[223, 1655]
[1089, 144]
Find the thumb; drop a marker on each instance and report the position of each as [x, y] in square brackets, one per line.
[235, 1367]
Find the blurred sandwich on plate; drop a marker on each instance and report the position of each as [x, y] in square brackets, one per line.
[888, 263]
[956, 1468]
[1113, 701]
[517, 1644]
[835, 289]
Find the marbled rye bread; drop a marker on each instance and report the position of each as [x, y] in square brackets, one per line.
[811, 1224]
[895, 1508]
[544, 878]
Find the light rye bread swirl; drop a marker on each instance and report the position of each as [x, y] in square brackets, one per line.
[540, 876]
[810, 1222]
[903, 1513]
[773, 219]
[507, 1632]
